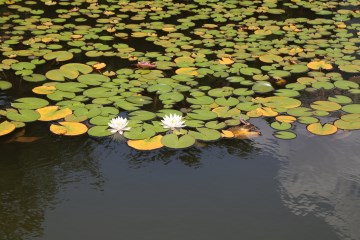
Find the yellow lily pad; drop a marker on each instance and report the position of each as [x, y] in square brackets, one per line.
[44, 89]
[316, 65]
[187, 71]
[226, 61]
[286, 119]
[323, 130]
[146, 144]
[6, 128]
[68, 128]
[51, 113]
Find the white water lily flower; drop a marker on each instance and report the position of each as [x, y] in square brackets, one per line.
[173, 121]
[118, 125]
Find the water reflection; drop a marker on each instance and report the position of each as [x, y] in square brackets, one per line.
[317, 177]
[321, 176]
[31, 176]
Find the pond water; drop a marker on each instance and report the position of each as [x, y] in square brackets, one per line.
[81, 188]
[290, 68]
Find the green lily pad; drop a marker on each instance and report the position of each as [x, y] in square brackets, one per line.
[29, 103]
[280, 125]
[59, 56]
[262, 87]
[202, 100]
[325, 106]
[348, 122]
[142, 115]
[202, 115]
[139, 133]
[307, 120]
[286, 135]
[5, 85]
[351, 108]
[23, 115]
[34, 78]
[99, 131]
[221, 92]
[177, 142]
[340, 99]
[227, 102]
[205, 134]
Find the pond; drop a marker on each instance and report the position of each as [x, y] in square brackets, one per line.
[81, 188]
[171, 119]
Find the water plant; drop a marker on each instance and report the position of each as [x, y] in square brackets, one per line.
[86, 63]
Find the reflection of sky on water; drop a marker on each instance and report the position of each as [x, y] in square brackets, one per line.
[59, 180]
[321, 176]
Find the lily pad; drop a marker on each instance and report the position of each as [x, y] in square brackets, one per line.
[6, 128]
[29, 103]
[146, 144]
[68, 128]
[177, 142]
[322, 129]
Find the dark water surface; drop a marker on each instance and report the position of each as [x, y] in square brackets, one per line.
[80, 188]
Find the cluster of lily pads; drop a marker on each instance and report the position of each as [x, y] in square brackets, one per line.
[213, 64]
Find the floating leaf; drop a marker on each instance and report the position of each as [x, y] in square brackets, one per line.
[226, 61]
[68, 128]
[146, 144]
[307, 120]
[23, 115]
[29, 103]
[52, 113]
[5, 85]
[175, 141]
[351, 108]
[325, 106]
[283, 102]
[262, 87]
[99, 131]
[319, 129]
[205, 134]
[6, 128]
[187, 71]
[280, 125]
[348, 122]
[59, 56]
[44, 89]
[316, 65]
[285, 135]
[285, 119]
[202, 114]
[138, 133]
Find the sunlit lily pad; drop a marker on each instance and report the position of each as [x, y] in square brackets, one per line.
[146, 144]
[51, 113]
[6, 128]
[68, 128]
[322, 129]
